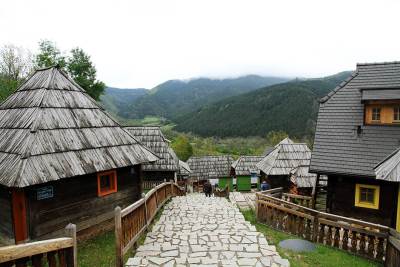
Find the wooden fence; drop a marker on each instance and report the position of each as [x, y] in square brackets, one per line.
[132, 221]
[58, 252]
[151, 184]
[372, 241]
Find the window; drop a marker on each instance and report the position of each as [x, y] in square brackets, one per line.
[396, 114]
[376, 114]
[106, 183]
[367, 196]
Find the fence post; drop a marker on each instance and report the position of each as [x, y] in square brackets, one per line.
[256, 207]
[172, 189]
[315, 228]
[145, 209]
[157, 197]
[71, 232]
[118, 238]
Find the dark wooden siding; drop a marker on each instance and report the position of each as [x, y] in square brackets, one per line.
[340, 200]
[75, 201]
[158, 175]
[276, 181]
[6, 228]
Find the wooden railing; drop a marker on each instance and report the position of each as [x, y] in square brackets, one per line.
[132, 221]
[304, 201]
[151, 184]
[358, 237]
[222, 192]
[58, 252]
[393, 249]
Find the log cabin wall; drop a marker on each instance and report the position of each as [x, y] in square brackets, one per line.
[158, 175]
[75, 200]
[6, 228]
[341, 198]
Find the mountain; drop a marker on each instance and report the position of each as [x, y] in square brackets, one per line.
[176, 97]
[117, 101]
[291, 107]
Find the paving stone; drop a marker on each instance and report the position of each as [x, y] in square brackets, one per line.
[199, 231]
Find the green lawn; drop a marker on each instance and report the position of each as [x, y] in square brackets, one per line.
[100, 251]
[323, 256]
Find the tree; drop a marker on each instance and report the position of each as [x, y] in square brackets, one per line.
[78, 65]
[82, 70]
[182, 147]
[274, 137]
[15, 64]
[49, 55]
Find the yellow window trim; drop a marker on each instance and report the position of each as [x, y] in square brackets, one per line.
[364, 204]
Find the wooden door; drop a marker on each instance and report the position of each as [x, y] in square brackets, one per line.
[19, 216]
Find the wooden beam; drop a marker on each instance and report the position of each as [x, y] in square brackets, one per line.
[315, 192]
[19, 215]
[10, 253]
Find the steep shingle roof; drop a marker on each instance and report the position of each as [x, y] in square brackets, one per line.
[286, 156]
[209, 167]
[153, 138]
[245, 165]
[340, 147]
[184, 168]
[50, 129]
[389, 168]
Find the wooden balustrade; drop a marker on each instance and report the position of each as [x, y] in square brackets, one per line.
[58, 252]
[358, 237]
[304, 201]
[132, 221]
[147, 185]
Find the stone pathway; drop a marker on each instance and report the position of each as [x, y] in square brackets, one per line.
[198, 231]
[243, 200]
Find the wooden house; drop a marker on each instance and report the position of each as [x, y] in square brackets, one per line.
[62, 160]
[216, 169]
[302, 181]
[357, 130]
[245, 172]
[184, 171]
[164, 169]
[277, 166]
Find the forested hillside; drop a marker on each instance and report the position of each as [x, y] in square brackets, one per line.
[117, 100]
[176, 97]
[291, 107]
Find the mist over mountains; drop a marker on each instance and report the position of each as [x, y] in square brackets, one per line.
[251, 105]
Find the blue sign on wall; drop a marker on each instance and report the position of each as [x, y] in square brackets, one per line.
[44, 193]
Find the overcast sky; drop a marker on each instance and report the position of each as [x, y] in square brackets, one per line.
[143, 43]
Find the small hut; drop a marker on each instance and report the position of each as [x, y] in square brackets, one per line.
[276, 167]
[302, 181]
[164, 169]
[246, 173]
[213, 168]
[62, 160]
[184, 171]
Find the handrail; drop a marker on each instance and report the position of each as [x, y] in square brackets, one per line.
[42, 253]
[355, 236]
[132, 221]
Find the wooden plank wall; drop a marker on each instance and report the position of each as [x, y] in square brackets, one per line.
[6, 228]
[75, 201]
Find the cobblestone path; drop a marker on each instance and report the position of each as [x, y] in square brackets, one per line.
[198, 231]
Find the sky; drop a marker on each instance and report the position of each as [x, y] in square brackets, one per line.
[141, 43]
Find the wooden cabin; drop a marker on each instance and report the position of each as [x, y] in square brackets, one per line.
[246, 173]
[276, 167]
[164, 169]
[357, 129]
[184, 171]
[302, 181]
[216, 169]
[62, 160]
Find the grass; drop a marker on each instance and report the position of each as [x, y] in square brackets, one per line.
[323, 256]
[100, 251]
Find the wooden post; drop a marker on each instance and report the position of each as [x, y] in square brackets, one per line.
[315, 192]
[172, 189]
[19, 215]
[145, 210]
[315, 228]
[118, 238]
[71, 232]
[157, 198]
